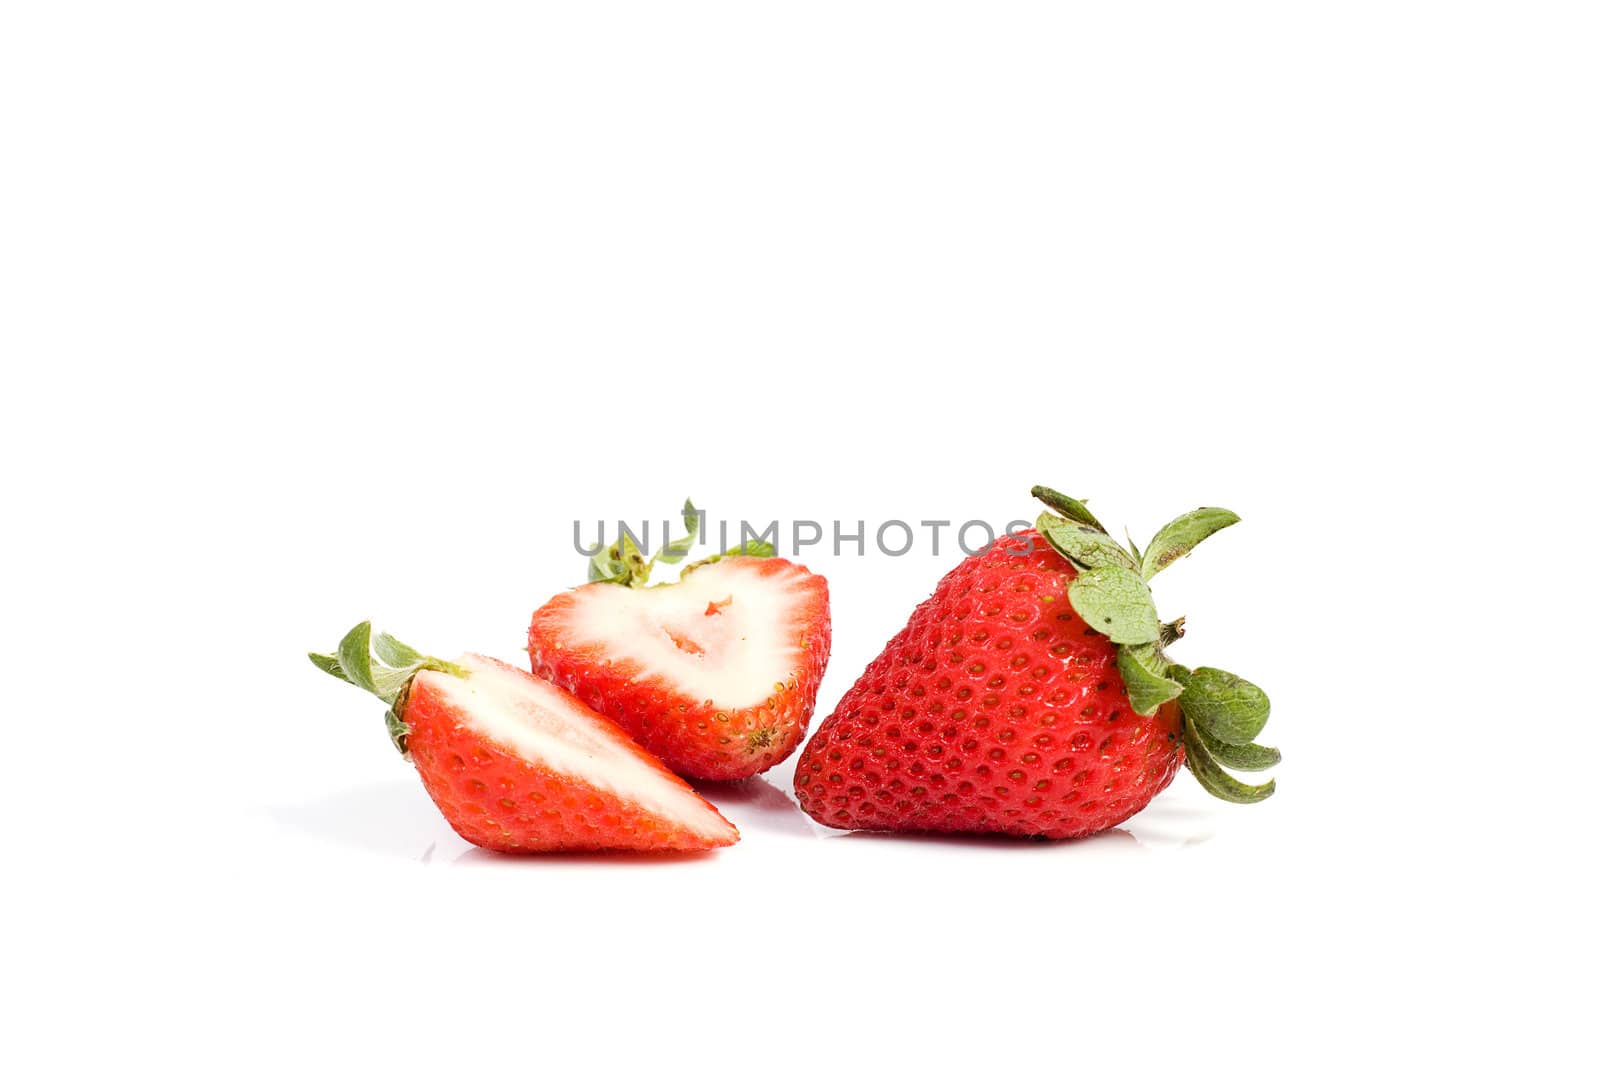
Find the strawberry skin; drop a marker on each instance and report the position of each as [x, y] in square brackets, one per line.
[716, 673]
[995, 710]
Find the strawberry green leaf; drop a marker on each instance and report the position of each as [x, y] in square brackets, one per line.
[1224, 705]
[622, 562]
[387, 682]
[632, 557]
[1117, 603]
[1177, 538]
[355, 656]
[329, 664]
[1143, 671]
[675, 551]
[1247, 757]
[396, 653]
[606, 567]
[385, 676]
[1066, 506]
[397, 731]
[1083, 545]
[1216, 781]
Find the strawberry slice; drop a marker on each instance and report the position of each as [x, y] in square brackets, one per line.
[716, 673]
[516, 764]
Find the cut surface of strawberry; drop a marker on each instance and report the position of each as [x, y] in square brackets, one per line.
[726, 634]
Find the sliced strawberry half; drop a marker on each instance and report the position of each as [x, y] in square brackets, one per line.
[716, 673]
[516, 764]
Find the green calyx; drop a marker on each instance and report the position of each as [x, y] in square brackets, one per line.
[623, 562]
[1222, 713]
[383, 667]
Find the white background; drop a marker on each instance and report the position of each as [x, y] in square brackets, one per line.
[313, 312]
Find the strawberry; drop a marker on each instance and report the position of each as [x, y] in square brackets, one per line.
[516, 764]
[716, 673]
[1032, 695]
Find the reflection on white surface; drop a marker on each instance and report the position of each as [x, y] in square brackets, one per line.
[473, 856]
[391, 818]
[756, 806]
[1174, 821]
[397, 819]
[1115, 839]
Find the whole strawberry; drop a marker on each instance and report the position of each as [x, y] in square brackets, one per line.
[1032, 695]
[716, 673]
[516, 764]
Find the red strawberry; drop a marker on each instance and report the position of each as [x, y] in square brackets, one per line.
[716, 673]
[1032, 695]
[516, 764]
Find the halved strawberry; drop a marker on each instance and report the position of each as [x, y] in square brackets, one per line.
[716, 673]
[518, 765]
